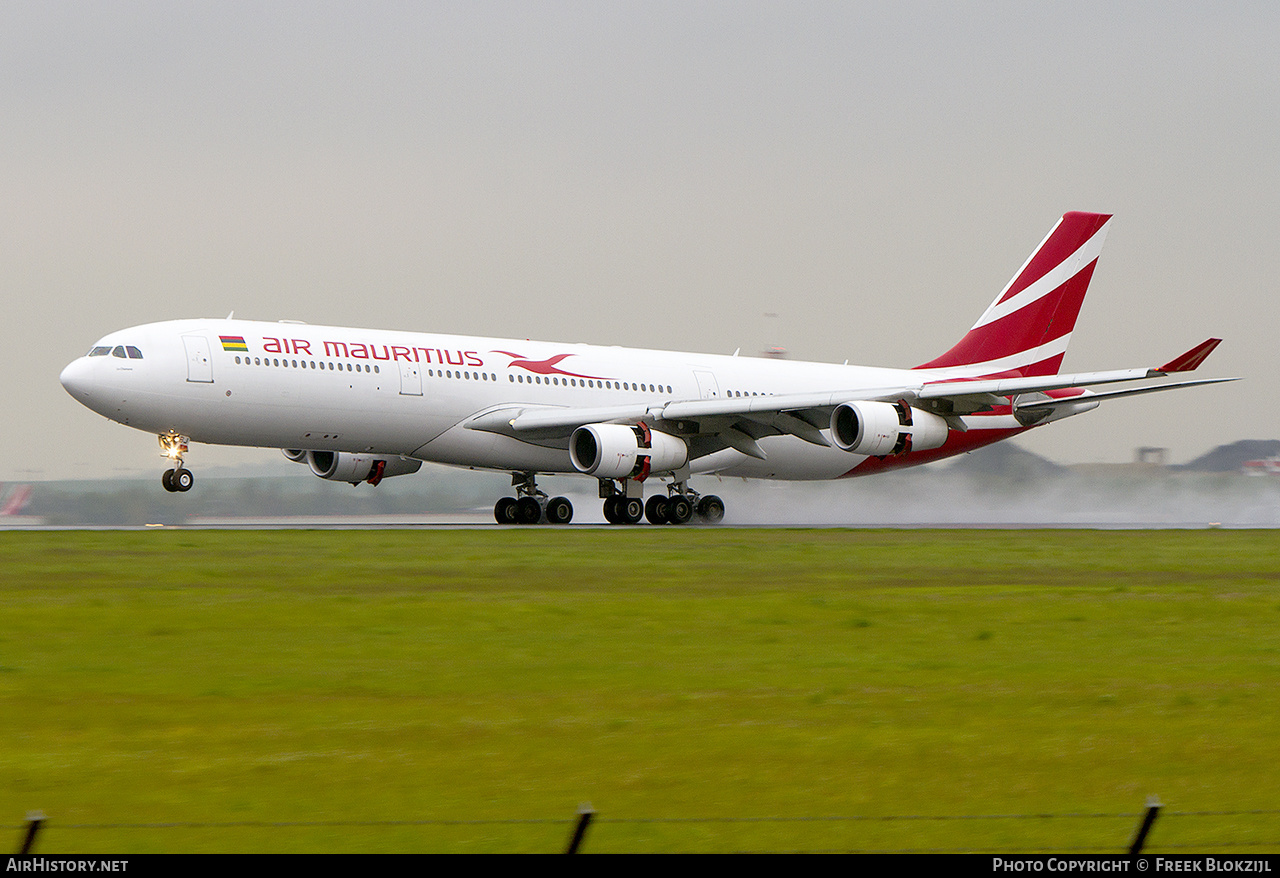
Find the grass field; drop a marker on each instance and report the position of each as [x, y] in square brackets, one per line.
[468, 690]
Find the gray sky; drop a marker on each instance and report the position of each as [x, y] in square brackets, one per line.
[651, 174]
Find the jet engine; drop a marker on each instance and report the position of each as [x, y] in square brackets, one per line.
[878, 429]
[343, 466]
[625, 451]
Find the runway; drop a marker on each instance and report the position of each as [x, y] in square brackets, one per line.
[481, 521]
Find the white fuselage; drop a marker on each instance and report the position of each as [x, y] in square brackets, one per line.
[325, 388]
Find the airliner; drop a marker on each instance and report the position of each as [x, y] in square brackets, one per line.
[16, 502]
[362, 405]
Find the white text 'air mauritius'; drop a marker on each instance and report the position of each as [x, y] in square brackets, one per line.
[360, 405]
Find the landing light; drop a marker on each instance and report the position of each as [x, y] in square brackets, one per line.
[173, 446]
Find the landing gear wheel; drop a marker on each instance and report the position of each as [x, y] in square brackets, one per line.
[679, 510]
[528, 510]
[630, 510]
[559, 510]
[167, 481]
[182, 480]
[656, 509]
[504, 511]
[711, 509]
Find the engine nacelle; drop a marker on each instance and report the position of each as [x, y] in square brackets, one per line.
[877, 429]
[343, 466]
[624, 451]
[297, 455]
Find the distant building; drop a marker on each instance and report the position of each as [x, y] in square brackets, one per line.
[1151, 454]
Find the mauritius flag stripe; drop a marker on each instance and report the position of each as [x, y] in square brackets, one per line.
[233, 343]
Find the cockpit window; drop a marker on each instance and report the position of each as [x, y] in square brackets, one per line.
[100, 351]
[134, 353]
[118, 351]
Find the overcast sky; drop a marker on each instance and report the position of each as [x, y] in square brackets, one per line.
[848, 180]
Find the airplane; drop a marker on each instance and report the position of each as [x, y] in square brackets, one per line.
[16, 502]
[362, 405]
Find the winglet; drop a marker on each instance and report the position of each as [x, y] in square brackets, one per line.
[1191, 359]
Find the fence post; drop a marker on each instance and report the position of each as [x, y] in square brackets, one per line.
[585, 813]
[34, 819]
[1153, 810]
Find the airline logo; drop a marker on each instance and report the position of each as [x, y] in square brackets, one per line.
[233, 343]
[549, 366]
[363, 351]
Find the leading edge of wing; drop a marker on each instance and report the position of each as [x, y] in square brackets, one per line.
[528, 419]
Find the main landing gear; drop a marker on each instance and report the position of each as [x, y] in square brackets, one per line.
[623, 504]
[682, 503]
[179, 478]
[530, 505]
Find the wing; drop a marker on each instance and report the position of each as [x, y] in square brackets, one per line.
[710, 425]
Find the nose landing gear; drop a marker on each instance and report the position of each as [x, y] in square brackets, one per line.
[178, 479]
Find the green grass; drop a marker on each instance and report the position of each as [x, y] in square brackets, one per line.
[411, 678]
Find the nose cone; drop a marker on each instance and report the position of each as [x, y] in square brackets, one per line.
[77, 378]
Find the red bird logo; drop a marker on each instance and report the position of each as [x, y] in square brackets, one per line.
[545, 367]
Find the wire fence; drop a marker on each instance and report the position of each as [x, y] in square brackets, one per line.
[38, 825]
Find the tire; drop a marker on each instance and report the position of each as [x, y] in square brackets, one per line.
[528, 511]
[167, 481]
[679, 510]
[656, 509]
[711, 509]
[630, 510]
[559, 510]
[504, 511]
[182, 480]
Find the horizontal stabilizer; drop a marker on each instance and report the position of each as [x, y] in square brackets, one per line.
[1191, 359]
[1044, 404]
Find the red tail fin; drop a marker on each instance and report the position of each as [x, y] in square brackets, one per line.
[17, 500]
[1026, 330]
